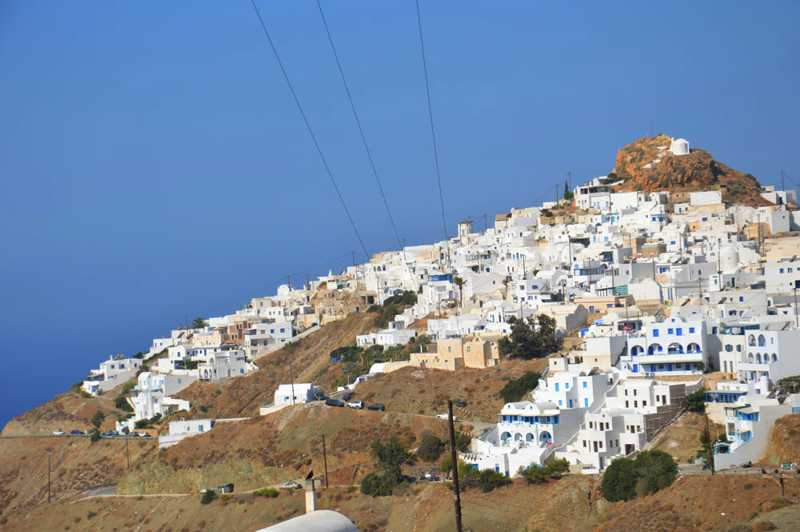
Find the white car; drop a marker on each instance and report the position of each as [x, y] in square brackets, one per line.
[445, 417]
[355, 404]
[58, 432]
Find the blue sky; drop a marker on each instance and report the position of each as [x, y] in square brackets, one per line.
[153, 167]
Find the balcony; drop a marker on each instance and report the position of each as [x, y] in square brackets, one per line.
[667, 358]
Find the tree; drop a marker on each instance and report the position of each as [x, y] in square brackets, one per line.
[389, 460]
[619, 480]
[515, 389]
[376, 485]
[656, 471]
[695, 401]
[97, 419]
[430, 447]
[198, 323]
[650, 472]
[459, 282]
[530, 338]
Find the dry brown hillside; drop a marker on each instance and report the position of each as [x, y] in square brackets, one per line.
[425, 391]
[70, 410]
[784, 442]
[275, 448]
[308, 359]
[721, 502]
[646, 164]
[77, 465]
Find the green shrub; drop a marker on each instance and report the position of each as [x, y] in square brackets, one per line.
[650, 472]
[430, 448]
[98, 418]
[536, 474]
[487, 480]
[515, 389]
[619, 480]
[696, 401]
[267, 492]
[376, 485]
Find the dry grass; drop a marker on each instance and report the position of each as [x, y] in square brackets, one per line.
[682, 438]
[308, 360]
[426, 391]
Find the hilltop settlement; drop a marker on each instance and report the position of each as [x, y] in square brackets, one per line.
[668, 285]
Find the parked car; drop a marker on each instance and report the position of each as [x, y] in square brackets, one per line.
[291, 485]
[376, 406]
[334, 402]
[431, 476]
[356, 404]
[143, 434]
[76, 432]
[444, 416]
[58, 432]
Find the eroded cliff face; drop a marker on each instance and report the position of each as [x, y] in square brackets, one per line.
[648, 165]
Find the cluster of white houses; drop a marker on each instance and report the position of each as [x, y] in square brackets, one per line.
[654, 284]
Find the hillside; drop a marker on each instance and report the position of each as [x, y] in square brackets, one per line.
[275, 448]
[647, 165]
[308, 359]
[784, 442]
[70, 410]
[425, 391]
[722, 502]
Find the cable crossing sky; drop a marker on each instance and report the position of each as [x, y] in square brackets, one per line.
[310, 129]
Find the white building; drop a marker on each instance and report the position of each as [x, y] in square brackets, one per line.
[673, 346]
[748, 424]
[386, 337]
[111, 373]
[179, 430]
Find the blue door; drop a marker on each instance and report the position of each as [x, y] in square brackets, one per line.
[636, 368]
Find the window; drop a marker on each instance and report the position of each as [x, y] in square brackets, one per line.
[655, 332]
[679, 331]
[670, 331]
[691, 330]
[584, 384]
[586, 402]
[557, 386]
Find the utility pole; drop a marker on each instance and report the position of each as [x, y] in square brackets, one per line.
[354, 258]
[485, 222]
[127, 453]
[289, 281]
[700, 287]
[291, 376]
[325, 460]
[710, 456]
[796, 318]
[454, 462]
[49, 467]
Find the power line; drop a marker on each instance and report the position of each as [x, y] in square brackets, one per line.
[309, 128]
[430, 118]
[358, 123]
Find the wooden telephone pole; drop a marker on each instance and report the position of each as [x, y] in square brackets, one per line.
[325, 460]
[454, 462]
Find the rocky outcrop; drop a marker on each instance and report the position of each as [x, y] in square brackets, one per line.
[648, 165]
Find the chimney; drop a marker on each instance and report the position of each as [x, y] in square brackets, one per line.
[311, 495]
